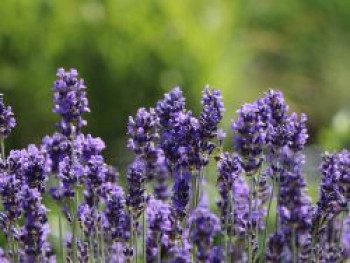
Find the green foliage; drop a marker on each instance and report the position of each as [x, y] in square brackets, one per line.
[129, 52]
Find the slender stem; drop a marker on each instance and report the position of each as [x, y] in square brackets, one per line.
[92, 257]
[159, 252]
[251, 193]
[144, 224]
[136, 252]
[194, 191]
[74, 234]
[267, 218]
[2, 145]
[60, 237]
[294, 247]
[278, 203]
[102, 243]
[232, 220]
[225, 239]
[12, 242]
[131, 245]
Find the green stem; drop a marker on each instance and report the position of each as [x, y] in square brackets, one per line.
[277, 205]
[102, 243]
[136, 247]
[159, 246]
[74, 234]
[251, 193]
[131, 245]
[294, 247]
[60, 237]
[232, 225]
[144, 224]
[2, 145]
[267, 218]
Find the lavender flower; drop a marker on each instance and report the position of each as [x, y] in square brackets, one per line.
[181, 195]
[56, 147]
[7, 120]
[205, 226]
[11, 197]
[229, 168]
[86, 147]
[346, 239]
[172, 104]
[249, 137]
[331, 201]
[70, 101]
[161, 178]
[211, 115]
[159, 228]
[33, 235]
[116, 219]
[34, 169]
[135, 199]
[295, 209]
[69, 174]
[275, 247]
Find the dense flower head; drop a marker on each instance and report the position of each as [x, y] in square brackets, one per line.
[295, 208]
[142, 129]
[70, 100]
[240, 197]
[298, 132]
[135, 199]
[228, 168]
[181, 194]
[56, 147]
[116, 219]
[11, 196]
[88, 218]
[273, 108]
[331, 201]
[172, 103]
[249, 137]
[159, 228]
[87, 146]
[15, 161]
[69, 174]
[35, 168]
[217, 255]
[211, 115]
[161, 178]
[344, 173]
[275, 246]
[346, 238]
[7, 119]
[34, 233]
[205, 226]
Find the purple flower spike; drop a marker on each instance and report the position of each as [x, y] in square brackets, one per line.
[7, 120]
[116, 220]
[34, 233]
[172, 103]
[70, 101]
[249, 137]
[211, 115]
[136, 198]
[205, 226]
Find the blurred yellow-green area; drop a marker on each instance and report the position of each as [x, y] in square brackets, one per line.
[131, 52]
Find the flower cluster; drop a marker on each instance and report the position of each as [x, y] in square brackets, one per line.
[70, 100]
[162, 214]
[7, 120]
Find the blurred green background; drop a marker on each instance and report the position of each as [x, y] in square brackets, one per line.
[131, 52]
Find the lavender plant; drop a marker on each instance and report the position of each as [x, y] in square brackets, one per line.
[164, 204]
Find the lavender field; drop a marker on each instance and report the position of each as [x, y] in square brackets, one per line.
[184, 197]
